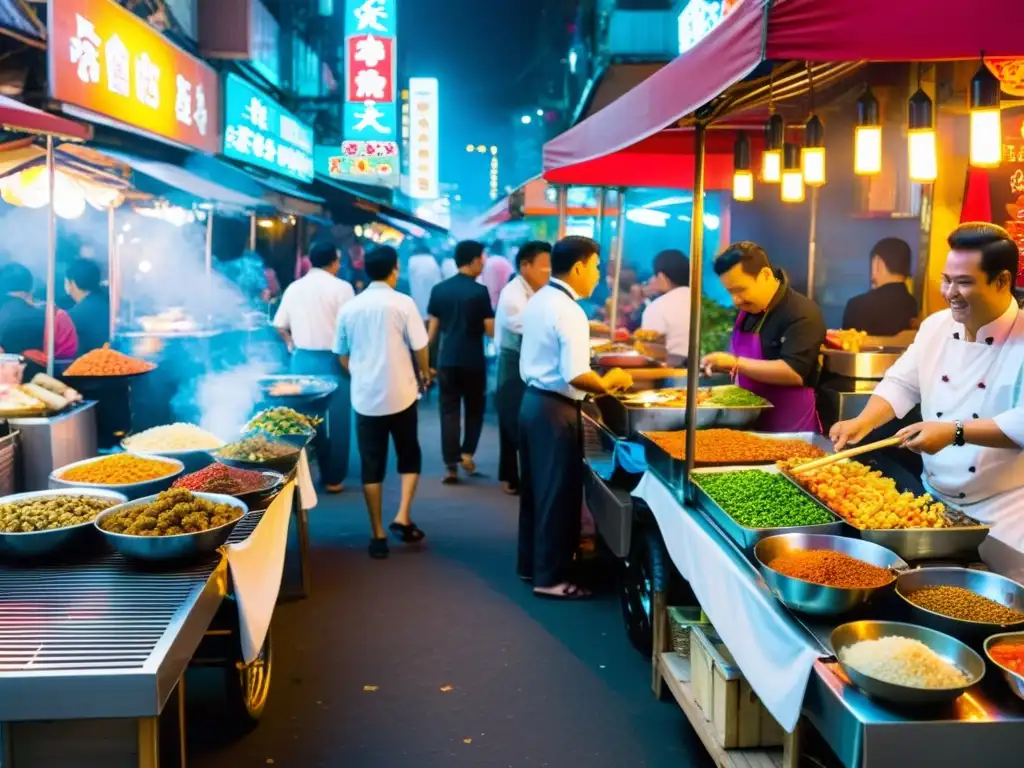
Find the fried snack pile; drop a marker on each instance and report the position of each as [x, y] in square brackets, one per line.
[173, 513]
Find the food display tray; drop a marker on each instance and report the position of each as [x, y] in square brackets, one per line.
[959, 543]
[672, 471]
[745, 537]
[628, 421]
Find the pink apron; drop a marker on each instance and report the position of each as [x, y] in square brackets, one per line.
[795, 407]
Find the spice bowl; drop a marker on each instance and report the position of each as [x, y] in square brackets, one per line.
[990, 585]
[949, 649]
[130, 490]
[283, 464]
[1013, 679]
[820, 599]
[54, 540]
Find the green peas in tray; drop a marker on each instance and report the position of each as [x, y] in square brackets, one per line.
[757, 499]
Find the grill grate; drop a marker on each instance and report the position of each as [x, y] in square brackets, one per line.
[102, 615]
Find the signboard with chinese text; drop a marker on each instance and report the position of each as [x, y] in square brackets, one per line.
[259, 131]
[370, 130]
[1006, 183]
[423, 138]
[364, 162]
[699, 17]
[105, 60]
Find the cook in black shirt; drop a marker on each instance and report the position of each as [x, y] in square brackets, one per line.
[888, 308]
[460, 310]
[91, 313]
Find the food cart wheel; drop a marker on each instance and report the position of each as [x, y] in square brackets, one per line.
[247, 687]
[645, 570]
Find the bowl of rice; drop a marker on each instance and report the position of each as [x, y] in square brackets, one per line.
[904, 663]
[188, 443]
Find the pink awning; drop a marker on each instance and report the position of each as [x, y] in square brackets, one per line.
[21, 118]
[798, 30]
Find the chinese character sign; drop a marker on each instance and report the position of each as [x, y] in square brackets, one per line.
[370, 112]
[423, 138]
[105, 60]
[259, 131]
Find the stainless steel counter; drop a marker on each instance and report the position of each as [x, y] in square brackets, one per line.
[49, 442]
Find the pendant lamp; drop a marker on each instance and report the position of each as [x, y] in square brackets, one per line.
[771, 160]
[812, 156]
[986, 128]
[792, 186]
[742, 176]
[867, 148]
[921, 149]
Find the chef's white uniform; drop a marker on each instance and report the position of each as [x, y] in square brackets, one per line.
[955, 379]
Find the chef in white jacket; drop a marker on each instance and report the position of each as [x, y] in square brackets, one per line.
[966, 369]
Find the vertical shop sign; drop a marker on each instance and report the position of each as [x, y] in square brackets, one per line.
[1006, 183]
[423, 138]
[370, 134]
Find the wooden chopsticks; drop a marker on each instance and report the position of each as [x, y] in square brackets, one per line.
[847, 454]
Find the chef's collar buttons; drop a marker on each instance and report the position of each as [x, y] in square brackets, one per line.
[963, 495]
[990, 341]
[981, 385]
[956, 335]
[974, 416]
[972, 470]
[945, 378]
[938, 415]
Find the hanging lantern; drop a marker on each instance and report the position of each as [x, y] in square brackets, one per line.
[921, 148]
[812, 156]
[771, 160]
[867, 146]
[742, 176]
[986, 128]
[792, 176]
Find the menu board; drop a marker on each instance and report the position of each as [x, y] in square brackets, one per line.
[1006, 183]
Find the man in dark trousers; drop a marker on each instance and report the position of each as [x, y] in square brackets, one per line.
[460, 311]
[554, 362]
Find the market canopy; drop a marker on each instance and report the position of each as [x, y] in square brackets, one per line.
[779, 30]
[21, 118]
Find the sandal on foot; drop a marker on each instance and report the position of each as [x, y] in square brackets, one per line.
[450, 479]
[378, 548]
[407, 534]
[567, 592]
[468, 465]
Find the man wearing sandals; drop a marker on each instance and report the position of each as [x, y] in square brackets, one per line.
[555, 364]
[379, 334]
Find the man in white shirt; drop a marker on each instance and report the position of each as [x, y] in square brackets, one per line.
[306, 320]
[964, 368]
[533, 263]
[555, 364]
[424, 274]
[379, 334]
[669, 314]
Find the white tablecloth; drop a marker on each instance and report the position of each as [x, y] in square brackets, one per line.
[304, 479]
[256, 567]
[775, 654]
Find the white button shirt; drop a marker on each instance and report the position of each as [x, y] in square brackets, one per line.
[309, 309]
[556, 341]
[424, 274]
[508, 318]
[955, 379]
[378, 331]
[670, 314]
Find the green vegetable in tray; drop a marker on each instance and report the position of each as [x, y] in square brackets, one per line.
[282, 421]
[737, 397]
[756, 499]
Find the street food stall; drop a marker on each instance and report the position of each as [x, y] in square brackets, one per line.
[763, 631]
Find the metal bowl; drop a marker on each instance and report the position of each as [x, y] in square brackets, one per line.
[948, 648]
[928, 543]
[40, 543]
[283, 464]
[130, 490]
[990, 585]
[170, 548]
[1014, 679]
[818, 599]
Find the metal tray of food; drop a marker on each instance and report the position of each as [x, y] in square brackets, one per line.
[289, 389]
[629, 419]
[958, 543]
[747, 538]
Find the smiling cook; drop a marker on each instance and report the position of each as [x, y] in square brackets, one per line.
[965, 369]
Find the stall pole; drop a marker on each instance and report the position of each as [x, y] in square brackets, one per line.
[209, 247]
[620, 237]
[51, 261]
[252, 232]
[696, 281]
[112, 269]
[563, 209]
[602, 209]
[812, 243]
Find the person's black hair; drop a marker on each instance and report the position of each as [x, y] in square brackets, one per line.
[999, 253]
[85, 274]
[381, 262]
[750, 256]
[531, 251]
[468, 251]
[895, 254]
[571, 250]
[15, 278]
[674, 265]
[323, 254]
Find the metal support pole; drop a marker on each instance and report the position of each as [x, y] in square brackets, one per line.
[209, 246]
[812, 243]
[620, 236]
[602, 209]
[252, 231]
[51, 261]
[696, 281]
[563, 209]
[112, 270]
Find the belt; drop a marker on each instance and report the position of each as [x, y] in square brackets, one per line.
[577, 405]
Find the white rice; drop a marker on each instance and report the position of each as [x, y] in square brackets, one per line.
[902, 661]
[173, 437]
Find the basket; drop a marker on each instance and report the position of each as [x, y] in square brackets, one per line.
[8, 457]
[680, 620]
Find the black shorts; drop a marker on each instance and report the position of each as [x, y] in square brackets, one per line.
[372, 434]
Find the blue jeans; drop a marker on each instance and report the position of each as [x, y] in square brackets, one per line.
[334, 437]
